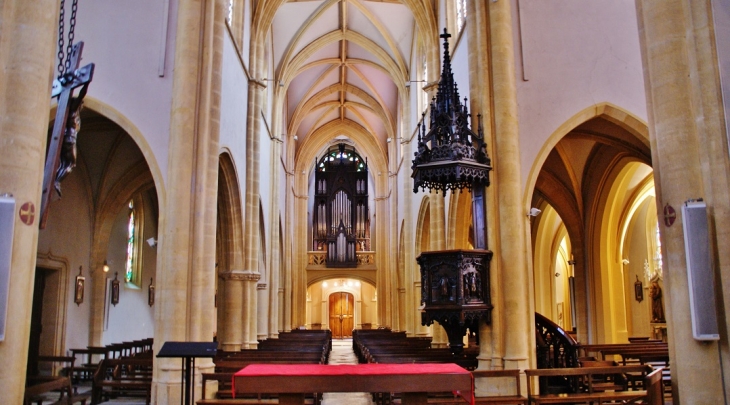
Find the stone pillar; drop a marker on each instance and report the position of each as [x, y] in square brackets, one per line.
[251, 215]
[274, 261]
[437, 209]
[27, 41]
[232, 337]
[519, 321]
[393, 226]
[262, 318]
[188, 217]
[490, 345]
[250, 308]
[690, 159]
[437, 241]
[410, 279]
[383, 245]
[298, 273]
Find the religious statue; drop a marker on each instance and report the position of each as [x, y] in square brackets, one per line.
[657, 305]
[444, 287]
[67, 160]
[472, 289]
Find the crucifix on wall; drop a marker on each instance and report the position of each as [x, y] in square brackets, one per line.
[61, 157]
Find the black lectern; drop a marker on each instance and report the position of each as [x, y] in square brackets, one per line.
[188, 351]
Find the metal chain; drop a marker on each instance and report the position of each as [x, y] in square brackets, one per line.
[72, 26]
[60, 40]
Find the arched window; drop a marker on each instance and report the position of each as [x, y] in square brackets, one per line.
[132, 264]
[229, 13]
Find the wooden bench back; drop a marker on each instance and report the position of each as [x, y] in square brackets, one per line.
[588, 372]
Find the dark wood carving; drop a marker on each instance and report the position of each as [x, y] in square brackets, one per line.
[555, 349]
[341, 222]
[450, 155]
[455, 288]
[455, 291]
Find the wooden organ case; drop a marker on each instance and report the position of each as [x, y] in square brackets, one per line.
[341, 220]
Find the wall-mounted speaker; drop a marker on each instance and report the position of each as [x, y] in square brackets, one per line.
[699, 271]
[7, 223]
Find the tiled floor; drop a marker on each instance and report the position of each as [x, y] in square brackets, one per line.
[342, 354]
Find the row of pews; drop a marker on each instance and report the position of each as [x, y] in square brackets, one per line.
[386, 346]
[639, 351]
[116, 370]
[295, 347]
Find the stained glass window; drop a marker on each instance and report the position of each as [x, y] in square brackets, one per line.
[131, 241]
[348, 157]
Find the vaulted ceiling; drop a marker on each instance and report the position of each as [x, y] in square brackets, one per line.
[343, 61]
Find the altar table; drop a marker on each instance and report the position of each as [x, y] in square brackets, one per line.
[414, 381]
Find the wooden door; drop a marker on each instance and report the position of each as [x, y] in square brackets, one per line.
[341, 307]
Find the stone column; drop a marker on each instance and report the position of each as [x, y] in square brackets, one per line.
[27, 40]
[437, 241]
[188, 218]
[232, 337]
[299, 260]
[511, 220]
[274, 223]
[690, 159]
[250, 307]
[383, 245]
[410, 279]
[490, 339]
[393, 226]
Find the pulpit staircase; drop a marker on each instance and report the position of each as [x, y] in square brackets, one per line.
[555, 349]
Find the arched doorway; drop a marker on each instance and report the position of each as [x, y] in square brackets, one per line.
[341, 314]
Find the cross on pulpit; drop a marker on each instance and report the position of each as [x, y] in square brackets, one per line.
[63, 88]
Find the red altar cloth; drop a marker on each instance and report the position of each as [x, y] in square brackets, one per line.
[357, 370]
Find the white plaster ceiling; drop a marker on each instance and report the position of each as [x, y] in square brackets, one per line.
[342, 60]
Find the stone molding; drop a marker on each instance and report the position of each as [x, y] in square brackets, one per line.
[240, 275]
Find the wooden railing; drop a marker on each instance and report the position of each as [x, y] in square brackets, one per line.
[555, 349]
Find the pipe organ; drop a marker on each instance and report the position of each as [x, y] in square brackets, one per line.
[341, 221]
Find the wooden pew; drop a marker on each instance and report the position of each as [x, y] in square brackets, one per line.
[509, 394]
[295, 347]
[85, 361]
[38, 392]
[588, 394]
[125, 377]
[395, 348]
[652, 354]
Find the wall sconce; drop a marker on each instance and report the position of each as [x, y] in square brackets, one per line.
[152, 242]
[105, 267]
[296, 137]
[534, 212]
[557, 275]
[389, 140]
